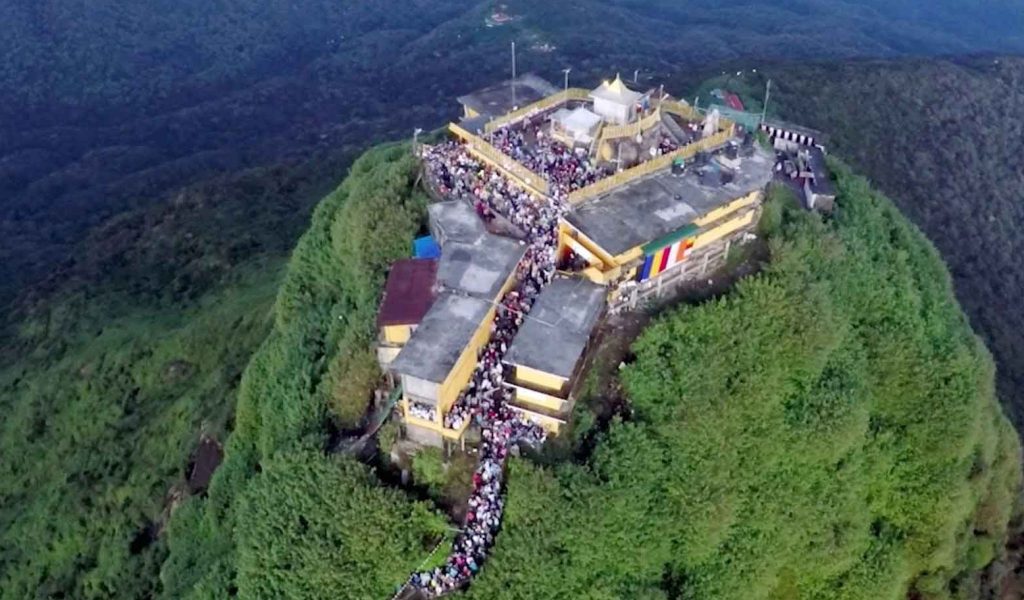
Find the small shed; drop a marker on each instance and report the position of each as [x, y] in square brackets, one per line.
[615, 102]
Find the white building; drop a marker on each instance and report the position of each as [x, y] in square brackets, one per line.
[615, 102]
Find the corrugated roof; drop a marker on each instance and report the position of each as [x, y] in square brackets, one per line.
[408, 293]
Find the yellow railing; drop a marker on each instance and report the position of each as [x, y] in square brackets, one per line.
[484, 150]
[678, 108]
[611, 132]
[538, 106]
[646, 168]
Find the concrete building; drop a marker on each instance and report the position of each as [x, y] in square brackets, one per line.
[507, 96]
[435, 365]
[652, 226]
[635, 228]
[455, 221]
[819, 191]
[547, 353]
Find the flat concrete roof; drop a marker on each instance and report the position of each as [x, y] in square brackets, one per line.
[556, 332]
[479, 268]
[496, 100]
[442, 335]
[455, 221]
[659, 204]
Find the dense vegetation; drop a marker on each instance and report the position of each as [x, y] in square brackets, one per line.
[945, 140]
[158, 162]
[283, 519]
[827, 430]
[110, 106]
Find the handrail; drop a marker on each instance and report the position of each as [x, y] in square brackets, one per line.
[538, 106]
[648, 167]
[483, 149]
[678, 108]
[611, 132]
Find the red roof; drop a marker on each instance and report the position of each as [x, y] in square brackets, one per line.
[733, 101]
[408, 293]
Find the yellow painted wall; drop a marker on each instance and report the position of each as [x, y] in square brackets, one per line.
[397, 334]
[731, 207]
[630, 255]
[534, 398]
[539, 379]
[724, 229]
[551, 424]
[460, 374]
[567, 231]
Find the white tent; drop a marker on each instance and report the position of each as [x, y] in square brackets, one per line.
[579, 124]
[615, 102]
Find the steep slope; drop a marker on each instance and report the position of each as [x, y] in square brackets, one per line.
[827, 430]
[945, 140]
[282, 519]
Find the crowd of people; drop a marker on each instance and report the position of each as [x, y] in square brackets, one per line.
[459, 175]
[422, 411]
[565, 169]
[485, 400]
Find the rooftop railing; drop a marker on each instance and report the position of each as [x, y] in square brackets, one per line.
[483, 149]
[646, 168]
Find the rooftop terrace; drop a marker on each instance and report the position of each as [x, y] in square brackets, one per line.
[497, 99]
[455, 221]
[481, 268]
[558, 327]
[442, 335]
[657, 205]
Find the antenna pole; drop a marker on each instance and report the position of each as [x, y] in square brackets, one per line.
[515, 104]
[767, 95]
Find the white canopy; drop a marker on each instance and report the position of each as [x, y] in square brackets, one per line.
[616, 92]
[579, 123]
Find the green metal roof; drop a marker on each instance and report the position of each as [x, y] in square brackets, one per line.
[671, 238]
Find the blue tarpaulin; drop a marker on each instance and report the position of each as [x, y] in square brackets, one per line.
[426, 247]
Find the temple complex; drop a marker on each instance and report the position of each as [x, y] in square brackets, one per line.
[639, 192]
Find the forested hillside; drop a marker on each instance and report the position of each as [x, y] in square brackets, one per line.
[945, 140]
[836, 436]
[158, 162]
[111, 106]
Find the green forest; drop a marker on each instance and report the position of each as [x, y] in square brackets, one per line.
[156, 286]
[944, 140]
[829, 429]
